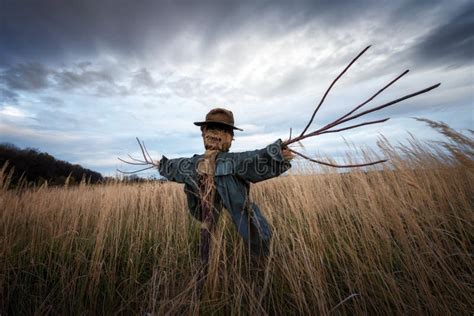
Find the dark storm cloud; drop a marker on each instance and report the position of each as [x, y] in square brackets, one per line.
[44, 30]
[7, 95]
[69, 79]
[36, 76]
[25, 76]
[100, 82]
[143, 78]
[52, 102]
[48, 28]
[452, 42]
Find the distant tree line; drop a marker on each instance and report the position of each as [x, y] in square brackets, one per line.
[134, 178]
[38, 167]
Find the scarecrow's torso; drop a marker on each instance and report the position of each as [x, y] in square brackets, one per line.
[233, 174]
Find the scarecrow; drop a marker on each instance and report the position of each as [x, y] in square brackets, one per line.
[219, 178]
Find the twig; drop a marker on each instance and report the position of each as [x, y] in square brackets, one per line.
[380, 107]
[133, 163]
[131, 172]
[330, 87]
[372, 97]
[353, 126]
[147, 160]
[334, 165]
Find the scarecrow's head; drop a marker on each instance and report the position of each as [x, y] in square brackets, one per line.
[217, 136]
[218, 129]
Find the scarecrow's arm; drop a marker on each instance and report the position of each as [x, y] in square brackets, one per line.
[261, 164]
[175, 169]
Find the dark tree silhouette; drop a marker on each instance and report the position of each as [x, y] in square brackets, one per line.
[37, 167]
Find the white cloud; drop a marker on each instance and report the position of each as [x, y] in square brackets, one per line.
[34, 135]
[12, 111]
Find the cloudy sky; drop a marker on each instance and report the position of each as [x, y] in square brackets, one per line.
[81, 79]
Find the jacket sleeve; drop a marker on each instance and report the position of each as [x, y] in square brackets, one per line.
[175, 169]
[261, 164]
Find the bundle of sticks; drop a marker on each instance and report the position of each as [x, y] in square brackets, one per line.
[350, 116]
[147, 162]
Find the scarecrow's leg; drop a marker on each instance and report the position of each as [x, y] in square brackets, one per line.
[205, 244]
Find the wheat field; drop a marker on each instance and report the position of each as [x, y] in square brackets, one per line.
[391, 240]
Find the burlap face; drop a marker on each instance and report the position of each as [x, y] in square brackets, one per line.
[216, 139]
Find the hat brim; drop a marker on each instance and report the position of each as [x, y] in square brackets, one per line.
[216, 122]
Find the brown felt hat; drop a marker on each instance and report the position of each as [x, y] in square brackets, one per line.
[219, 116]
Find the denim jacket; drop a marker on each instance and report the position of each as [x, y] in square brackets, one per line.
[233, 174]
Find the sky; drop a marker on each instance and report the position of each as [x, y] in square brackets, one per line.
[81, 79]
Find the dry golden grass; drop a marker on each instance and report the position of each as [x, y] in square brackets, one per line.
[392, 241]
